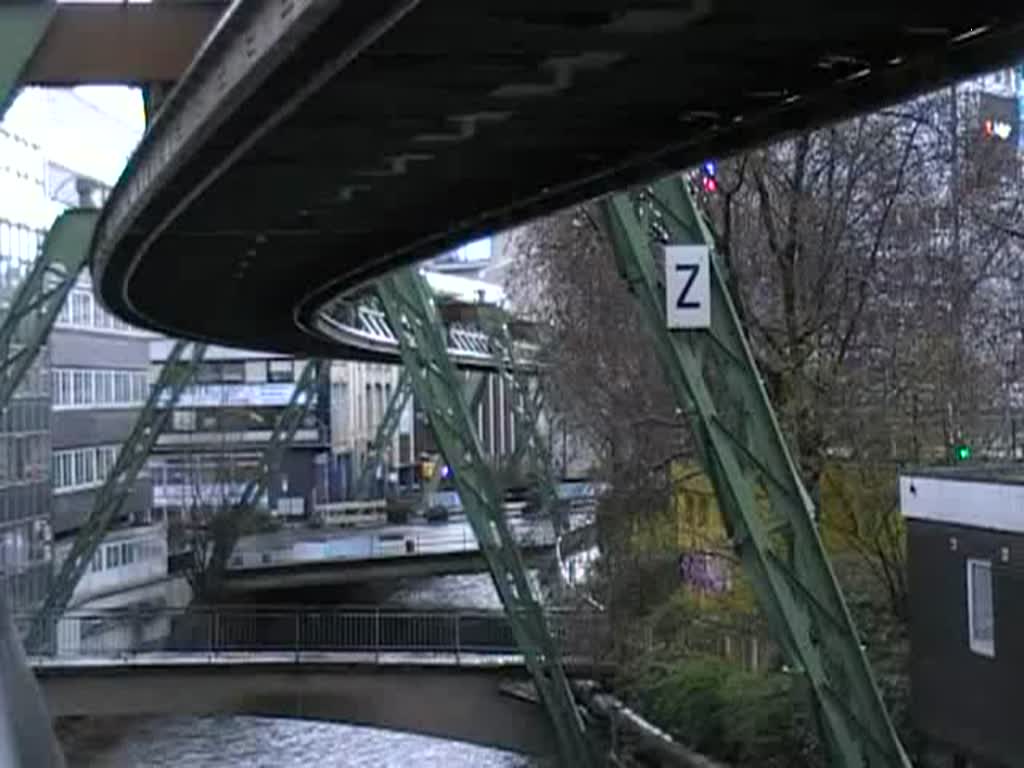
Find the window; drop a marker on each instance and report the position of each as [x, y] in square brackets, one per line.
[233, 372]
[280, 370]
[113, 556]
[105, 387]
[183, 421]
[88, 387]
[123, 386]
[80, 468]
[81, 308]
[980, 609]
[140, 386]
[81, 386]
[97, 562]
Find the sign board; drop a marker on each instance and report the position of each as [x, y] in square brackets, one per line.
[687, 286]
[236, 395]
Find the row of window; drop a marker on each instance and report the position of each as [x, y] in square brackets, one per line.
[246, 371]
[82, 311]
[90, 387]
[81, 468]
[124, 553]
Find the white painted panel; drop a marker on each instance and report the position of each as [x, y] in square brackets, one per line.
[993, 505]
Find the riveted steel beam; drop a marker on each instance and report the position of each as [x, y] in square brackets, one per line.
[178, 371]
[439, 391]
[38, 298]
[22, 28]
[766, 508]
[384, 435]
[230, 522]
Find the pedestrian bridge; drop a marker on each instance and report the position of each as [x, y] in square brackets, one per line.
[452, 675]
[288, 560]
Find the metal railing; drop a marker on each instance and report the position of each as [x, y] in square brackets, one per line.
[363, 634]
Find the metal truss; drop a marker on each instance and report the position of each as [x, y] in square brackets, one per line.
[22, 28]
[766, 509]
[384, 435]
[410, 308]
[527, 406]
[32, 310]
[288, 422]
[177, 372]
[359, 322]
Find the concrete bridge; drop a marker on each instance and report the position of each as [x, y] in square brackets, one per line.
[446, 674]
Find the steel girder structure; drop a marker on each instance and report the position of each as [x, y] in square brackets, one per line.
[177, 372]
[384, 435]
[527, 409]
[412, 312]
[22, 28]
[389, 425]
[37, 301]
[287, 424]
[765, 507]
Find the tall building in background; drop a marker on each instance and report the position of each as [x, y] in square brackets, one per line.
[220, 428]
[100, 370]
[59, 150]
[359, 396]
[25, 501]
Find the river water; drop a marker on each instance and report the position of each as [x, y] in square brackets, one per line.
[254, 742]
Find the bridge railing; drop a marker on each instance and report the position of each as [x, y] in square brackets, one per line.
[369, 631]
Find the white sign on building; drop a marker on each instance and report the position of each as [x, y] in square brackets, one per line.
[687, 286]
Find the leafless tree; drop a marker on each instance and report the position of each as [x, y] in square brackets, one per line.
[876, 264]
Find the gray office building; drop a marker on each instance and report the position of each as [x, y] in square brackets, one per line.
[25, 536]
[100, 374]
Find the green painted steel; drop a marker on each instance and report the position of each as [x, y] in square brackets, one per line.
[384, 436]
[477, 384]
[766, 508]
[37, 301]
[440, 393]
[288, 422]
[22, 28]
[527, 411]
[177, 372]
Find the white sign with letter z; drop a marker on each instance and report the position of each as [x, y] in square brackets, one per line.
[687, 286]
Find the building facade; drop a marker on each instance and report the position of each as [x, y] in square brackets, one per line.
[51, 158]
[359, 397]
[25, 500]
[100, 382]
[220, 428]
[965, 539]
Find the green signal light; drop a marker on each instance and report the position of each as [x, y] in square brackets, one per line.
[963, 452]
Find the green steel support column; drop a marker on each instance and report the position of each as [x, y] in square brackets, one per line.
[176, 373]
[384, 435]
[527, 413]
[413, 315]
[766, 508]
[287, 424]
[34, 307]
[477, 390]
[22, 28]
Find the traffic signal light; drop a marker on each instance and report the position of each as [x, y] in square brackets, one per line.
[962, 452]
[709, 176]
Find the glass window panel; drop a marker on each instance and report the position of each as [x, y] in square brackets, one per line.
[981, 612]
[280, 370]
